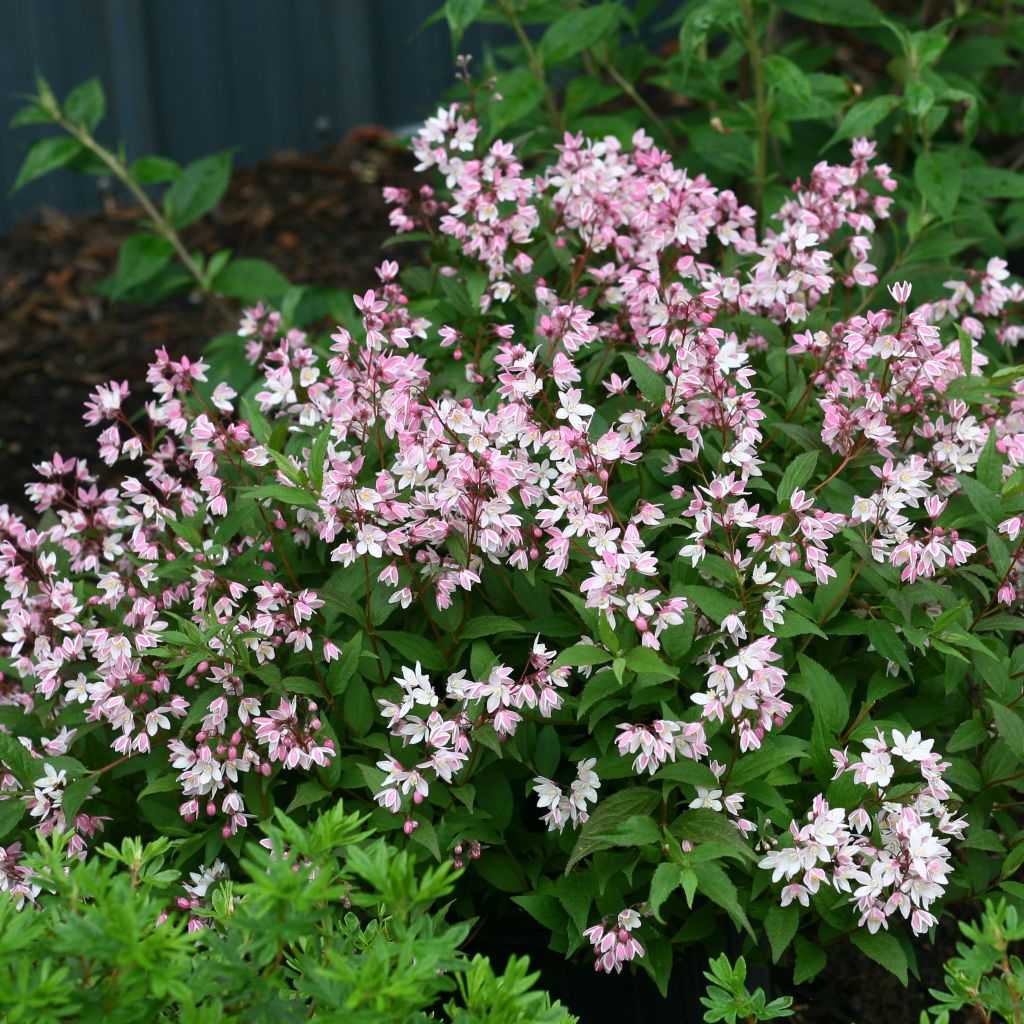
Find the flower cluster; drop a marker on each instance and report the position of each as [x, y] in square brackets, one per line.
[558, 807]
[615, 945]
[891, 855]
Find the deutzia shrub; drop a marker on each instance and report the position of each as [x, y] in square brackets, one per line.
[648, 556]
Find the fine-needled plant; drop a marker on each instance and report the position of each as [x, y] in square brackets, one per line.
[320, 923]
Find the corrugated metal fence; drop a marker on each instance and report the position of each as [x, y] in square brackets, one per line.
[187, 77]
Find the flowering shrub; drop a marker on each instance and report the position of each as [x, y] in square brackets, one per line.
[590, 557]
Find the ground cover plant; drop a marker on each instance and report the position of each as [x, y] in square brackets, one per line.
[652, 556]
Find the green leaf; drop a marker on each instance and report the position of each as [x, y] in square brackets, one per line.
[75, 794]
[577, 30]
[884, 949]
[966, 351]
[852, 13]
[460, 14]
[11, 812]
[651, 384]
[985, 503]
[997, 183]
[797, 473]
[346, 666]
[1010, 727]
[521, 95]
[86, 104]
[608, 815]
[582, 654]
[317, 456]
[199, 189]
[667, 878]
[26, 767]
[939, 177]
[715, 604]
[862, 117]
[787, 77]
[29, 115]
[828, 700]
[141, 258]
[491, 625]
[426, 836]
[780, 924]
[45, 156]
[714, 883]
[967, 734]
[154, 170]
[702, 825]
[358, 706]
[251, 281]
[810, 959]
[287, 495]
[413, 648]
[643, 659]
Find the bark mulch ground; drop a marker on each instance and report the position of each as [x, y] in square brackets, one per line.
[319, 218]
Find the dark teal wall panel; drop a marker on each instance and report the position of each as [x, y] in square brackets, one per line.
[186, 77]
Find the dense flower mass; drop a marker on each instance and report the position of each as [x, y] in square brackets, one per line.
[585, 516]
[906, 867]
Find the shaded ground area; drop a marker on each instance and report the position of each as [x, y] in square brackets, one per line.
[319, 218]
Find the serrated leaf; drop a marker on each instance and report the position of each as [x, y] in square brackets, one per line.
[884, 949]
[985, 503]
[643, 659]
[491, 625]
[780, 924]
[577, 30]
[198, 190]
[413, 648]
[861, 118]
[650, 384]
[45, 156]
[582, 654]
[713, 882]
[939, 177]
[797, 473]
[715, 604]
[1010, 727]
[86, 104]
[460, 14]
[317, 457]
[828, 700]
[250, 280]
[667, 878]
[610, 813]
[75, 794]
[141, 258]
[702, 825]
[12, 810]
[19, 761]
[782, 74]
[810, 959]
[286, 495]
[154, 170]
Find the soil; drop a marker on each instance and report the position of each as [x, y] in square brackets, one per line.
[320, 218]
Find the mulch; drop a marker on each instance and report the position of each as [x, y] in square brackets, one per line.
[320, 218]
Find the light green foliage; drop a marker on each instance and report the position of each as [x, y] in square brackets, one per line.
[986, 974]
[326, 925]
[728, 998]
